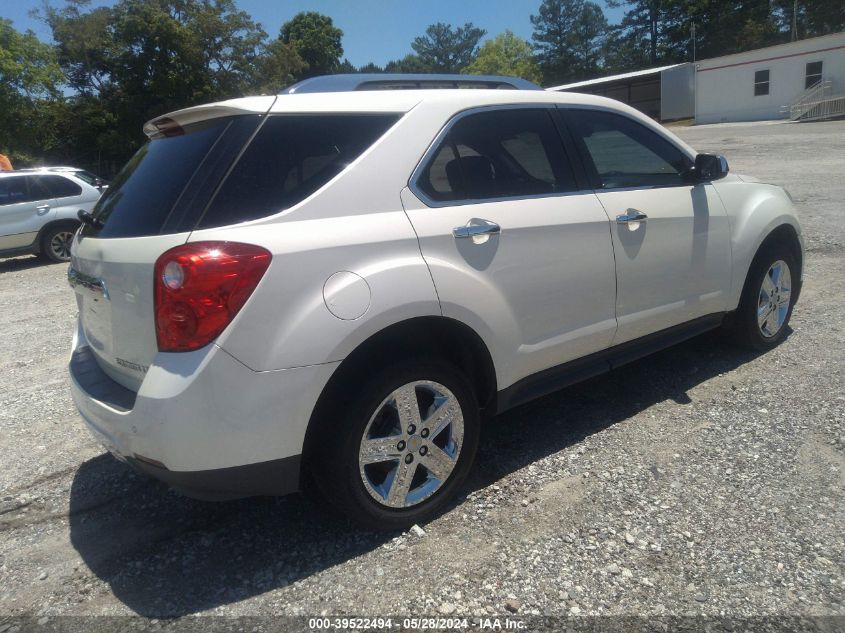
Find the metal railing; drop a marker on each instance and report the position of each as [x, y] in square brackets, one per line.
[818, 102]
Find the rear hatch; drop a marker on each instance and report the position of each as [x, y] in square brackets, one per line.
[204, 167]
[150, 207]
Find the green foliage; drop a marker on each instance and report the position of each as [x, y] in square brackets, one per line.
[316, 40]
[655, 32]
[409, 64]
[446, 50]
[506, 54]
[277, 66]
[568, 37]
[29, 71]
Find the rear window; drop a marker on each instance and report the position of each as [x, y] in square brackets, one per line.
[290, 158]
[87, 176]
[165, 185]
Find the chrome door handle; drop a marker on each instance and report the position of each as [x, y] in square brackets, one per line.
[42, 209]
[473, 230]
[632, 216]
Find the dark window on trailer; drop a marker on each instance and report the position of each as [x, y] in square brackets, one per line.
[813, 74]
[761, 83]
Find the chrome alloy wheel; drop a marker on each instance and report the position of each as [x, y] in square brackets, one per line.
[773, 300]
[411, 444]
[60, 245]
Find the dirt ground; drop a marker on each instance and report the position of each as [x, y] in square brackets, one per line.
[700, 481]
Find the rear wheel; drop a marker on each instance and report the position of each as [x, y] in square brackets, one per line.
[56, 242]
[762, 319]
[400, 449]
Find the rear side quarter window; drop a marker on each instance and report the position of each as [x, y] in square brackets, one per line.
[291, 157]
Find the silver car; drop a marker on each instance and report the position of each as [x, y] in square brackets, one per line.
[39, 209]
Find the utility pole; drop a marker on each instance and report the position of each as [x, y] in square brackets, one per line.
[794, 20]
[692, 36]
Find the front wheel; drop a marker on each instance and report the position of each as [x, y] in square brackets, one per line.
[762, 318]
[401, 447]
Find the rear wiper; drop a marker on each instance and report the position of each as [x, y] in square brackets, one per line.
[90, 220]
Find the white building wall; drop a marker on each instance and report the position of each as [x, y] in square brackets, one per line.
[725, 85]
[677, 90]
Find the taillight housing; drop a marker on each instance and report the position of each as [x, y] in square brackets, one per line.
[200, 287]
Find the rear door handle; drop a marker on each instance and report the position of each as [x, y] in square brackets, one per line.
[631, 216]
[474, 228]
[42, 209]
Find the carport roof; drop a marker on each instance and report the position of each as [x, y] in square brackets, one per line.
[612, 78]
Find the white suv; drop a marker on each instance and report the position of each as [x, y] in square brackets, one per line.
[336, 288]
[39, 209]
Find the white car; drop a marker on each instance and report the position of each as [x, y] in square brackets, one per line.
[337, 288]
[39, 210]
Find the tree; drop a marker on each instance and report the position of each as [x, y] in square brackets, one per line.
[506, 54]
[316, 40]
[409, 64]
[568, 38]
[370, 67]
[141, 58]
[29, 72]
[447, 50]
[278, 65]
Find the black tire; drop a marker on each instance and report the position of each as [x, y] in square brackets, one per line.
[744, 327]
[334, 455]
[55, 243]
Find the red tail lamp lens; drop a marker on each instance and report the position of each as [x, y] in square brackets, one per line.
[200, 287]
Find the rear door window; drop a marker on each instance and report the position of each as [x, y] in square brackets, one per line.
[511, 152]
[58, 186]
[290, 158]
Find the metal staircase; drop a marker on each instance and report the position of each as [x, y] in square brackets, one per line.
[817, 103]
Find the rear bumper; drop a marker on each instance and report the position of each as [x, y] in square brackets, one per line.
[277, 477]
[202, 421]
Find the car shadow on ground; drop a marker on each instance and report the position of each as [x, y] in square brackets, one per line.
[15, 264]
[164, 555]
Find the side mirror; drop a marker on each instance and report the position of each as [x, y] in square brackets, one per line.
[710, 167]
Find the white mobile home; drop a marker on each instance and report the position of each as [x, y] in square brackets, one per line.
[764, 83]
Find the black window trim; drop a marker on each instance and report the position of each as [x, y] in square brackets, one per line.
[587, 161]
[431, 152]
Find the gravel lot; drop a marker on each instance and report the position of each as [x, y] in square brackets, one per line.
[699, 481]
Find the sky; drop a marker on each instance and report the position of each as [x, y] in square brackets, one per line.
[373, 30]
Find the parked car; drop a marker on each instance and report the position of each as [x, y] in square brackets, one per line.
[39, 208]
[332, 291]
[101, 184]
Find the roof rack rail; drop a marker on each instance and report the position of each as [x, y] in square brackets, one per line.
[401, 81]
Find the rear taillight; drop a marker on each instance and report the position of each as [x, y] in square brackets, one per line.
[199, 289]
